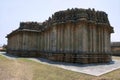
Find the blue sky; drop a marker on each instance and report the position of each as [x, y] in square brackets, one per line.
[12, 12]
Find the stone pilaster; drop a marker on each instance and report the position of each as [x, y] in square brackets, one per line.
[90, 38]
[94, 38]
[65, 38]
[68, 35]
[62, 36]
[72, 36]
[102, 31]
[105, 36]
[84, 36]
[54, 38]
[99, 37]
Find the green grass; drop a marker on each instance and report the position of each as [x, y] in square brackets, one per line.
[24, 69]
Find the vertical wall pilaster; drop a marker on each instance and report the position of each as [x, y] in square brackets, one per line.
[75, 38]
[72, 37]
[60, 38]
[84, 36]
[99, 39]
[102, 50]
[54, 38]
[94, 38]
[65, 38]
[68, 35]
[105, 36]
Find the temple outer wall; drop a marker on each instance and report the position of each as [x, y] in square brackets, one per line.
[83, 40]
[69, 42]
[23, 43]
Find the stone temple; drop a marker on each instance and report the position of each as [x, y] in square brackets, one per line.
[73, 35]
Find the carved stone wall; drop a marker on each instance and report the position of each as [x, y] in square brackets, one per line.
[73, 35]
[115, 47]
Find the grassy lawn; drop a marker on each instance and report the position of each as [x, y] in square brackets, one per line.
[24, 69]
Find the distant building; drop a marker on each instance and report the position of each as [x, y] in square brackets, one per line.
[115, 47]
[73, 35]
[1, 48]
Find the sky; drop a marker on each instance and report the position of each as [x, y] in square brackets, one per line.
[12, 12]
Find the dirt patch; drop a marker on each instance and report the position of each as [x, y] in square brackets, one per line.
[15, 70]
[26, 69]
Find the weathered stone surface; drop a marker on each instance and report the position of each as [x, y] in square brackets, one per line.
[115, 48]
[73, 35]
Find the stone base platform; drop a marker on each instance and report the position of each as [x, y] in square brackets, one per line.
[80, 58]
[83, 58]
